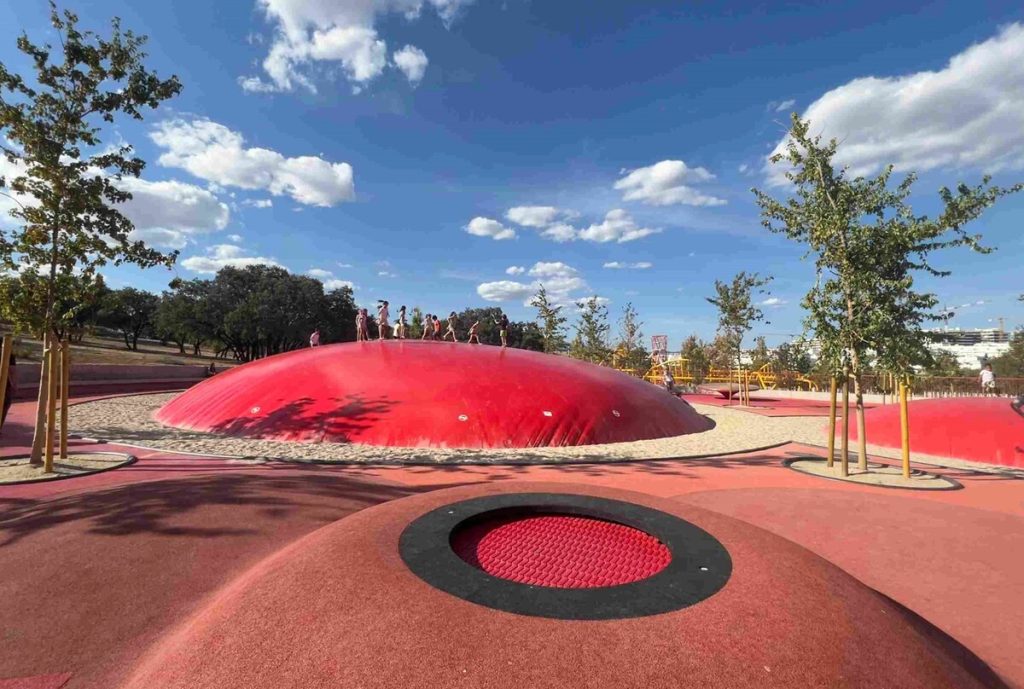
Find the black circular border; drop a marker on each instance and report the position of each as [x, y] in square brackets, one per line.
[700, 564]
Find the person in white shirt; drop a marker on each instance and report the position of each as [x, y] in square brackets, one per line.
[382, 319]
[400, 324]
[988, 380]
[314, 339]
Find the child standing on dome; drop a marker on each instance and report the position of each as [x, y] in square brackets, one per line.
[451, 328]
[400, 324]
[436, 325]
[472, 333]
[382, 320]
[502, 324]
[361, 325]
[428, 328]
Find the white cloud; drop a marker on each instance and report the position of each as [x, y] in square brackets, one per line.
[215, 153]
[486, 227]
[639, 265]
[561, 281]
[667, 183]
[773, 301]
[618, 226]
[334, 283]
[413, 63]
[560, 232]
[783, 106]
[315, 32]
[743, 168]
[234, 238]
[505, 290]
[386, 274]
[224, 255]
[968, 114]
[515, 270]
[344, 265]
[166, 214]
[258, 203]
[319, 273]
[533, 216]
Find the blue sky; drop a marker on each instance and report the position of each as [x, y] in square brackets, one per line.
[396, 139]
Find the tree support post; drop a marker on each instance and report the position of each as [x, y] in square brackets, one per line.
[51, 404]
[65, 384]
[905, 429]
[832, 424]
[844, 461]
[5, 366]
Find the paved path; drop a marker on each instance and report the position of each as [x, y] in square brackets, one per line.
[96, 572]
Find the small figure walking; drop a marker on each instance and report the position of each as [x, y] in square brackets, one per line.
[428, 328]
[669, 381]
[988, 380]
[314, 339]
[473, 339]
[451, 328]
[382, 320]
[400, 324]
[502, 324]
[361, 325]
[436, 328]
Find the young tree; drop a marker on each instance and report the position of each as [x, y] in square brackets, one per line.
[66, 186]
[867, 244]
[131, 311]
[550, 320]
[629, 350]
[694, 350]
[760, 354]
[1010, 364]
[592, 328]
[737, 311]
[415, 324]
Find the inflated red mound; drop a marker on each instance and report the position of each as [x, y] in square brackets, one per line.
[981, 429]
[427, 394]
[561, 551]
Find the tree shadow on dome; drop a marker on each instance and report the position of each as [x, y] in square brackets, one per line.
[298, 421]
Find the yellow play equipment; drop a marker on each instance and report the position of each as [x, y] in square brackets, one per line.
[765, 377]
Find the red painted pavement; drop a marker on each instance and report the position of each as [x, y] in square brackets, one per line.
[430, 394]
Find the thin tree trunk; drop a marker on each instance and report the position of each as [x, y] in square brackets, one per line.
[39, 433]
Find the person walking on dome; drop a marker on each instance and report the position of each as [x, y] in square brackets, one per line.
[502, 324]
[988, 380]
[400, 323]
[382, 319]
[428, 328]
[436, 328]
[473, 338]
[314, 339]
[451, 328]
[361, 325]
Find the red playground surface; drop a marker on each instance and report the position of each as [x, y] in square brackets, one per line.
[982, 429]
[430, 394]
[186, 571]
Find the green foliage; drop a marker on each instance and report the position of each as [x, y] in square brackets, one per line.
[629, 350]
[592, 328]
[1011, 363]
[131, 311]
[551, 322]
[23, 303]
[867, 244]
[66, 183]
[943, 363]
[760, 355]
[415, 324]
[179, 316]
[737, 311]
[793, 356]
[695, 351]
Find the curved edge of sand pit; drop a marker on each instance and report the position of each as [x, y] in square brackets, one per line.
[17, 470]
[878, 475]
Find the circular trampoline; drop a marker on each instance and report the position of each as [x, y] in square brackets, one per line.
[430, 395]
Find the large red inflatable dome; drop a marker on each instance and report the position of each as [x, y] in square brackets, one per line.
[982, 429]
[428, 394]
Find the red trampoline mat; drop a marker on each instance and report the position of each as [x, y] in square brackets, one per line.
[561, 550]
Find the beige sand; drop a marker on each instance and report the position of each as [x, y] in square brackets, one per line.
[876, 475]
[12, 470]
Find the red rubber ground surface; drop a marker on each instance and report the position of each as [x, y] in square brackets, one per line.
[101, 574]
[983, 429]
[561, 551]
[430, 394]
